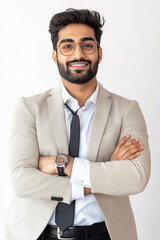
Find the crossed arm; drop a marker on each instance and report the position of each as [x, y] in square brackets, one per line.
[126, 149]
[33, 176]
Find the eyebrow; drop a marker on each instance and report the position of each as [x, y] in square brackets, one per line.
[87, 39]
[66, 40]
[82, 39]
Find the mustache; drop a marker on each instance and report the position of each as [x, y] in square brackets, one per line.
[81, 60]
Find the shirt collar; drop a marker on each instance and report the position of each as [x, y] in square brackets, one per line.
[66, 96]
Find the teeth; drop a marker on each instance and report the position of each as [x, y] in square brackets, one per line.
[78, 65]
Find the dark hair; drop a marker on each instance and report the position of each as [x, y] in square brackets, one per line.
[84, 16]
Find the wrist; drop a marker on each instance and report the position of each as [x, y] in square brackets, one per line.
[54, 166]
[61, 163]
[87, 190]
[68, 169]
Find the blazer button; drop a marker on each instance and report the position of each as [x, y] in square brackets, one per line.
[59, 199]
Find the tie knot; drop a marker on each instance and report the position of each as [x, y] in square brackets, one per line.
[74, 113]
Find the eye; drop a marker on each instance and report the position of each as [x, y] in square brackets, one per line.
[87, 45]
[67, 46]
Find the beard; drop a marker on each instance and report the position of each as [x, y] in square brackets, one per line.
[78, 77]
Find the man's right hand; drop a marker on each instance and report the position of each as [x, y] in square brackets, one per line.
[127, 150]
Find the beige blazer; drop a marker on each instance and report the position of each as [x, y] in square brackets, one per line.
[38, 128]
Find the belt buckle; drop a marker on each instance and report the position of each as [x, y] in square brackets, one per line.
[59, 232]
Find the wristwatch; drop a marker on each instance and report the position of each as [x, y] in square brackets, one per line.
[61, 162]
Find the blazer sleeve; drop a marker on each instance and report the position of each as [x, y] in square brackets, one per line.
[27, 180]
[124, 177]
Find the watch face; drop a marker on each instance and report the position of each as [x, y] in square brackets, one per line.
[60, 161]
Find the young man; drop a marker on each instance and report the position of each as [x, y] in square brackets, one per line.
[77, 151]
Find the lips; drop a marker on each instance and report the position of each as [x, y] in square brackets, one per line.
[78, 65]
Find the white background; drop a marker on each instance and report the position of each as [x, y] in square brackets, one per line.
[130, 67]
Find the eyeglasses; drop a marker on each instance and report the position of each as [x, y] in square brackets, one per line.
[68, 48]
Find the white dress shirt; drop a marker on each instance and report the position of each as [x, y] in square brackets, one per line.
[84, 213]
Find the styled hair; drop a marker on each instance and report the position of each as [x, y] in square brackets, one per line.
[71, 15]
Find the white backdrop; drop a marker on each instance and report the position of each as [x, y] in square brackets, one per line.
[130, 67]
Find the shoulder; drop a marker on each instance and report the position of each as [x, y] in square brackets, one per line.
[37, 99]
[113, 96]
[35, 103]
[125, 109]
[116, 100]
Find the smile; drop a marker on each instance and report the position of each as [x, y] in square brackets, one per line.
[78, 65]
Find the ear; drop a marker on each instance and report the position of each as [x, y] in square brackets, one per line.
[100, 54]
[54, 56]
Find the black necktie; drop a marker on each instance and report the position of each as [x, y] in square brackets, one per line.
[65, 212]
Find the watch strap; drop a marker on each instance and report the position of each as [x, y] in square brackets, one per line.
[61, 171]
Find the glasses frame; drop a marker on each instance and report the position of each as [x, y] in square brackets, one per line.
[80, 44]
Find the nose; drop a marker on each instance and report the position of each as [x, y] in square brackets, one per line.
[78, 53]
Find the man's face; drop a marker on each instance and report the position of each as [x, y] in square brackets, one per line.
[78, 67]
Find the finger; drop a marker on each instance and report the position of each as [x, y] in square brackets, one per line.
[134, 143]
[129, 145]
[121, 142]
[134, 156]
[132, 151]
[124, 148]
[131, 142]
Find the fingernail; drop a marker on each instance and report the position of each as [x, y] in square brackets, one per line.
[136, 139]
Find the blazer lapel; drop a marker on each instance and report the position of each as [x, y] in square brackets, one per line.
[57, 117]
[99, 122]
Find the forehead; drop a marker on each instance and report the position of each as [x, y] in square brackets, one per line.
[75, 31]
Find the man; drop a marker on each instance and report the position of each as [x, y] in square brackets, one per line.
[77, 151]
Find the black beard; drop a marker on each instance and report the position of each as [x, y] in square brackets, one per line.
[80, 78]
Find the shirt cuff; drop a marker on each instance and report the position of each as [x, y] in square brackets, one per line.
[77, 191]
[80, 172]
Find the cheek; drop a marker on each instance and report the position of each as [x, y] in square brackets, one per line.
[95, 60]
[63, 60]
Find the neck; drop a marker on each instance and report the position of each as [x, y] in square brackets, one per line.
[81, 92]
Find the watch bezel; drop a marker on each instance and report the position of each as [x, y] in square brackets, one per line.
[65, 157]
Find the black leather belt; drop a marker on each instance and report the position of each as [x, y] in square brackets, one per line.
[76, 231]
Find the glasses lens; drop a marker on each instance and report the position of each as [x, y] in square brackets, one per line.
[67, 48]
[88, 47]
